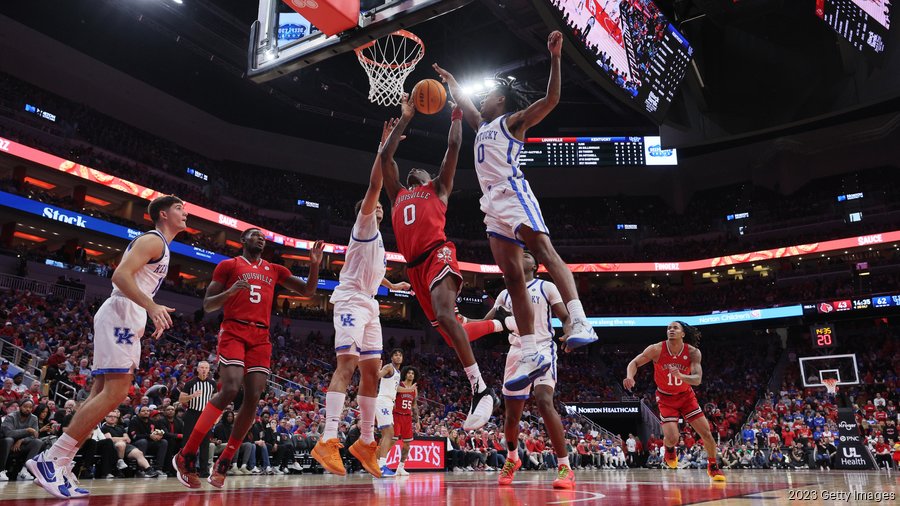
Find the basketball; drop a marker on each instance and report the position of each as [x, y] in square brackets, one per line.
[429, 96]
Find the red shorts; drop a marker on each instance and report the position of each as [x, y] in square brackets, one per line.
[681, 405]
[245, 345]
[425, 276]
[403, 428]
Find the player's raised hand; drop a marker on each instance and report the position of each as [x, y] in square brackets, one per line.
[389, 127]
[554, 43]
[628, 383]
[315, 254]
[159, 315]
[407, 111]
[445, 76]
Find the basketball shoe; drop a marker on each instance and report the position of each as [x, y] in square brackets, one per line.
[527, 370]
[508, 471]
[581, 333]
[327, 453]
[49, 475]
[483, 406]
[714, 472]
[366, 455]
[220, 471]
[186, 470]
[565, 478]
[671, 458]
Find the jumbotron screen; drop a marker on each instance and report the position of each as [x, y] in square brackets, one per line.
[632, 44]
[863, 23]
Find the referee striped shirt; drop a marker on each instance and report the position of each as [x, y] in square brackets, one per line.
[208, 389]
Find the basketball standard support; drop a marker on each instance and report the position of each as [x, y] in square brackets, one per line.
[330, 16]
[266, 60]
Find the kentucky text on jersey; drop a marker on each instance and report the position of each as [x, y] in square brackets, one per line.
[488, 135]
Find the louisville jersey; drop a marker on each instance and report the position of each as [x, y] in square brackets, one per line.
[419, 217]
[253, 305]
[404, 403]
[150, 276]
[496, 154]
[665, 380]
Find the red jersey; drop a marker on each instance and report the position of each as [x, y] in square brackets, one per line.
[403, 404]
[418, 217]
[665, 381]
[254, 305]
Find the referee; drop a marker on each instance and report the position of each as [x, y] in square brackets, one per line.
[194, 397]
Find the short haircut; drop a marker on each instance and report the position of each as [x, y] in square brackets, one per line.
[396, 350]
[160, 204]
[245, 233]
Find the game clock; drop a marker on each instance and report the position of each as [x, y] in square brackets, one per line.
[823, 336]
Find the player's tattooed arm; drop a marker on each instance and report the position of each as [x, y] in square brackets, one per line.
[696, 375]
[649, 354]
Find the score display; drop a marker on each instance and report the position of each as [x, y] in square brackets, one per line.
[823, 335]
[863, 23]
[594, 152]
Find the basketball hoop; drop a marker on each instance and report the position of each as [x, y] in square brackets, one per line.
[388, 61]
[831, 385]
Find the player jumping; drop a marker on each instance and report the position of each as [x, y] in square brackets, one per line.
[676, 367]
[244, 348]
[512, 215]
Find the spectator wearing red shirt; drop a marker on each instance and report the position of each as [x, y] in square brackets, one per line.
[882, 453]
[788, 435]
[869, 409]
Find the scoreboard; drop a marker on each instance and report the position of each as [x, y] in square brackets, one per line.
[595, 152]
[823, 335]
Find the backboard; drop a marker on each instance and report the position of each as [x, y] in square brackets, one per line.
[841, 367]
[282, 41]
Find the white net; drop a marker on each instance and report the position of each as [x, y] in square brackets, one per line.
[830, 385]
[388, 61]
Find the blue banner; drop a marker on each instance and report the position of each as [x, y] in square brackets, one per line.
[79, 220]
[709, 319]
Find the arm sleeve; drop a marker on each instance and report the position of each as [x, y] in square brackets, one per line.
[366, 227]
[223, 271]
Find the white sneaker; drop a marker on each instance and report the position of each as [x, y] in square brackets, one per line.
[527, 370]
[72, 482]
[401, 472]
[121, 465]
[580, 334]
[3, 476]
[483, 406]
[49, 475]
[255, 470]
[24, 476]
[295, 466]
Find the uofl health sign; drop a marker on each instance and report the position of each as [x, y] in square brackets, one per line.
[851, 452]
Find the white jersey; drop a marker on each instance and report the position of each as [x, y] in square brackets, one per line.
[151, 276]
[497, 156]
[387, 389]
[365, 261]
[544, 295]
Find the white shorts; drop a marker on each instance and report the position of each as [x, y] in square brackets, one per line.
[384, 412]
[507, 207]
[118, 327]
[357, 329]
[548, 378]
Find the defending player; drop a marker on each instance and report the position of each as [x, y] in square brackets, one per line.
[546, 298]
[244, 288]
[512, 215]
[419, 214]
[118, 328]
[357, 328]
[676, 367]
[406, 413]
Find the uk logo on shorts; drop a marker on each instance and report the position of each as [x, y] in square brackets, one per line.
[123, 335]
[347, 320]
[385, 411]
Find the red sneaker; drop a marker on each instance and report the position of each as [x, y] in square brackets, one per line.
[671, 459]
[565, 478]
[715, 473]
[186, 470]
[508, 471]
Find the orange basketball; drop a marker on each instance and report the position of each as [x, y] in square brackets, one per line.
[429, 96]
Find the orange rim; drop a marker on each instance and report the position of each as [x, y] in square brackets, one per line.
[403, 33]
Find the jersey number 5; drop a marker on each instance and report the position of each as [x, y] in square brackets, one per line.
[255, 296]
[677, 381]
[409, 214]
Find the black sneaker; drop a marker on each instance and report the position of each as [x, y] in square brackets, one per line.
[500, 315]
[478, 419]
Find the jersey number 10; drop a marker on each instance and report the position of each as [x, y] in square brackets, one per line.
[673, 381]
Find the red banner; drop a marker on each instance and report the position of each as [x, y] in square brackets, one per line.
[96, 176]
[423, 454]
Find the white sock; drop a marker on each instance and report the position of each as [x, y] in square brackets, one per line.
[510, 322]
[498, 327]
[367, 418]
[474, 375]
[528, 345]
[576, 312]
[513, 455]
[564, 461]
[64, 449]
[334, 405]
[382, 462]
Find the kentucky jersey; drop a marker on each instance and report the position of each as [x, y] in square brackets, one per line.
[253, 305]
[151, 276]
[665, 380]
[497, 155]
[418, 217]
[387, 389]
[543, 295]
[364, 261]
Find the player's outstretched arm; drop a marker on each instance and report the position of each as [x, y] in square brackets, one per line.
[145, 249]
[470, 112]
[451, 157]
[376, 177]
[522, 120]
[403, 285]
[389, 147]
[385, 371]
[696, 375]
[308, 287]
[646, 356]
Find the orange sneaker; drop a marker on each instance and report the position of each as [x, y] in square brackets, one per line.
[366, 455]
[671, 459]
[508, 471]
[186, 470]
[220, 470]
[715, 473]
[327, 453]
[565, 478]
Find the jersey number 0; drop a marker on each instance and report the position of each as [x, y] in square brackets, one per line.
[409, 214]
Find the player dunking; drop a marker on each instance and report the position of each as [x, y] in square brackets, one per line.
[244, 288]
[676, 367]
[512, 214]
[546, 300]
[419, 214]
[118, 327]
[406, 413]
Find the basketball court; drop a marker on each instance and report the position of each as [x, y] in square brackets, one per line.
[646, 487]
